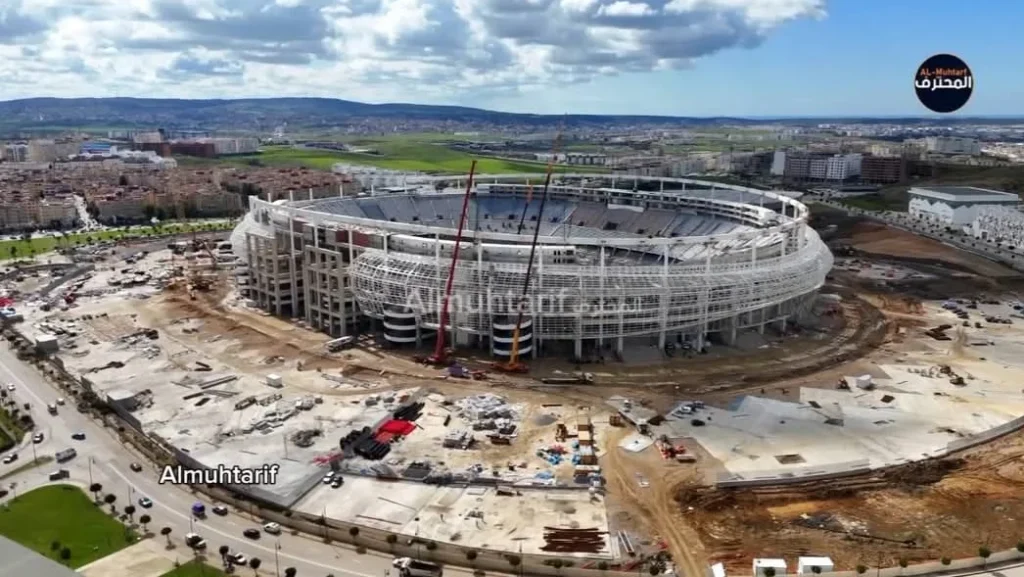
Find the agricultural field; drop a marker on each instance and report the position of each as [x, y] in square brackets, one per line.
[412, 154]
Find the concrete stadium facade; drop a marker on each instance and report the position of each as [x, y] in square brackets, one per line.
[678, 263]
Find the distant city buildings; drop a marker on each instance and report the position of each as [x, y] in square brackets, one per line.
[952, 145]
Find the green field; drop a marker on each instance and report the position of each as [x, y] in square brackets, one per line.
[407, 153]
[195, 569]
[15, 249]
[63, 515]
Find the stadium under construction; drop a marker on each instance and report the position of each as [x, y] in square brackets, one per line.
[589, 265]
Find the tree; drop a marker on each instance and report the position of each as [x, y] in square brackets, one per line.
[290, 572]
[862, 569]
[55, 546]
[471, 555]
[65, 554]
[354, 532]
[14, 251]
[145, 520]
[431, 546]
[391, 539]
[514, 560]
[602, 565]
[166, 532]
[109, 500]
[1020, 546]
[224, 549]
[255, 563]
[130, 511]
[557, 564]
[984, 552]
[945, 560]
[903, 563]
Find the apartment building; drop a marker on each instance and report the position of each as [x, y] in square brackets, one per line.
[50, 151]
[883, 169]
[14, 153]
[843, 167]
[226, 146]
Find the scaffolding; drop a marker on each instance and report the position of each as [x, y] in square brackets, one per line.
[999, 224]
[602, 272]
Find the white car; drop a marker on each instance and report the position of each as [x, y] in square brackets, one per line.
[10, 386]
[272, 528]
[239, 559]
[60, 401]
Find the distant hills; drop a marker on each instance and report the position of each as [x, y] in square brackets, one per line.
[312, 113]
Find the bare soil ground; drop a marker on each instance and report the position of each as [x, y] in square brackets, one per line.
[878, 239]
[924, 512]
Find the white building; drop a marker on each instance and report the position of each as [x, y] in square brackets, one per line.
[999, 223]
[952, 145]
[15, 153]
[843, 166]
[778, 163]
[806, 565]
[956, 205]
[778, 566]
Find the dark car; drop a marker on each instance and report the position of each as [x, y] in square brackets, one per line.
[136, 467]
[219, 510]
[78, 436]
[252, 533]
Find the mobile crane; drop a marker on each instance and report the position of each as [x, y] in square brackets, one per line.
[513, 365]
[441, 354]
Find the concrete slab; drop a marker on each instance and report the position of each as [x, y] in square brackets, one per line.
[147, 558]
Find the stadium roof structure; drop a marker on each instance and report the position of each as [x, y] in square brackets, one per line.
[20, 561]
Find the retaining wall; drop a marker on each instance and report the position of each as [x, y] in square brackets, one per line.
[794, 475]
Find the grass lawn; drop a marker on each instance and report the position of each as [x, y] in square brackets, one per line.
[66, 515]
[195, 569]
[398, 154]
[14, 249]
[873, 202]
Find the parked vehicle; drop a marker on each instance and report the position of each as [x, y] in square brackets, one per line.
[409, 567]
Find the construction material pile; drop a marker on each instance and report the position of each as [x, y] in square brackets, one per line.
[489, 412]
[573, 540]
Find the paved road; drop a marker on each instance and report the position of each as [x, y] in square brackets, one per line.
[108, 462]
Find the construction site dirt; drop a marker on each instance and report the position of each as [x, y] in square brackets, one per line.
[945, 508]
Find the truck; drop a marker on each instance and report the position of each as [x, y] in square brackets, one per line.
[60, 474]
[198, 510]
[577, 379]
[65, 455]
[409, 567]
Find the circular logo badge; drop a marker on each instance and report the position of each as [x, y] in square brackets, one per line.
[944, 83]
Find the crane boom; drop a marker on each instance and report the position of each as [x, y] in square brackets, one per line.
[513, 364]
[439, 352]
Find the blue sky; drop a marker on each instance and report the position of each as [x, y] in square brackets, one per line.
[668, 57]
[859, 60]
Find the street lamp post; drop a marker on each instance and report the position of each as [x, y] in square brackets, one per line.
[90, 471]
[277, 559]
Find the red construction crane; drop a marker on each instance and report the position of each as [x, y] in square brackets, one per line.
[440, 356]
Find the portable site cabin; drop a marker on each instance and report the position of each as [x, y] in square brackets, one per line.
[778, 565]
[806, 565]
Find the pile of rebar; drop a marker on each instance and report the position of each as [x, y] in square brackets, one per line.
[573, 540]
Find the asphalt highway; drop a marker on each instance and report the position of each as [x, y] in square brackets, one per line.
[102, 459]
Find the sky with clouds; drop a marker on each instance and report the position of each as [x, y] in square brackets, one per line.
[678, 57]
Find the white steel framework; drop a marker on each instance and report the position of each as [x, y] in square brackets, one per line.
[689, 259]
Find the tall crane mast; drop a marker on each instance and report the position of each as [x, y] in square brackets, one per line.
[513, 365]
[440, 356]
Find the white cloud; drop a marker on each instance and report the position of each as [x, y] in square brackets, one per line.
[375, 50]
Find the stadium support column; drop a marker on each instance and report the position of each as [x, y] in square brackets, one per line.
[311, 272]
[781, 307]
[600, 326]
[482, 305]
[661, 182]
[663, 300]
[579, 316]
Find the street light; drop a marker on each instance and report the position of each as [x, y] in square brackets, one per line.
[277, 560]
